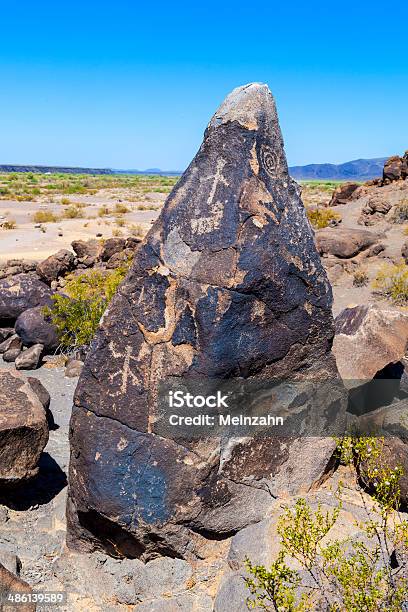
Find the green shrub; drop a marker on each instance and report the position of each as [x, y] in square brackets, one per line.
[392, 282]
[76, 315]
[322, 217]
[350, 575]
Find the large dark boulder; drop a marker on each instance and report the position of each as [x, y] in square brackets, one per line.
[23, 428]
[56, 265]
[21, 292]
[227, 286]
[34, 327]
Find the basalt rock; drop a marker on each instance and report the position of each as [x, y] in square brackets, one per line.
[34, 327]
[18, 293]
[23, 428]
[227, 285]
[56, 265]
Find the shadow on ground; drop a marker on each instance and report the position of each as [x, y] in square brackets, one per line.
[37, 491]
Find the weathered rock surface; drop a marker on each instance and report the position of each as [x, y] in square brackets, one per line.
[56, 265]
[343, 194]
[11, 348]
[374, 210]
[23, 427]
[34, 328]
[367, 339]
[21, 292]
[227, 285]
[11, 584]
[74, 368]
[29, 358]
[344, 243]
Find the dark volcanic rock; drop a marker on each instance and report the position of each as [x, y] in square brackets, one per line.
[18, 293]
[13, 587]
[34, 328]
[23, 427]
[56, 265]
[392, 169]
[227, 285]
[111, 247]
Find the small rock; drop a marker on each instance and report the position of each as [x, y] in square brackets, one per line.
[5, 333]
[12, 342]
[29, 359]
[74, 368]
[4, 516]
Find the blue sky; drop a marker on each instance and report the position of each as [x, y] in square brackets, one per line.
[132, 85]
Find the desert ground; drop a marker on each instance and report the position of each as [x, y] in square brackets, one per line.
[41, 213]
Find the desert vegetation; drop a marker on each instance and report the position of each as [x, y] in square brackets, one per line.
[32, 186]
[339, 573]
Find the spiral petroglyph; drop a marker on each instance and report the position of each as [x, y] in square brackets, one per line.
[270, 160]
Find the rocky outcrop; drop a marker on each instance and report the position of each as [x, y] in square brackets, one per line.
[395, 169]
[56, 265]
[343, 194]
[368, 338]
[33, 327]
[21, 292]
[227, 285]
[344, 243]
[23, 428]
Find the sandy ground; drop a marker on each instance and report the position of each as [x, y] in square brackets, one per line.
[33, 243]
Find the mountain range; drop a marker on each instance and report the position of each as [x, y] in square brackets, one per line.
[356, 170]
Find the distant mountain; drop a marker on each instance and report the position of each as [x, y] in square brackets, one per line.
[53, 169]
[151, 171]
[356, 170]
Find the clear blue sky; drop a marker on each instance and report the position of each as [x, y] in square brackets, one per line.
[128, 84]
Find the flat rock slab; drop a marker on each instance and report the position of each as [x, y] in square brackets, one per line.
[344, 242]
[23, 427]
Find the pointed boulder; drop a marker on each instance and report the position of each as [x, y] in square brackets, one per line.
[227, 285]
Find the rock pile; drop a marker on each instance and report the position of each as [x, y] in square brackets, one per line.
[227, 285]
[26, 334]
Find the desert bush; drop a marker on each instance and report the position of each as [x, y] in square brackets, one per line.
[360, 278]
[338, 575]
[10, 224]
[121, 209]
[103, 210]
[400, 212]
[392, 282]
[73, 212]
[322, 217]
[76, 315]
[65, 201]
[44, 216]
